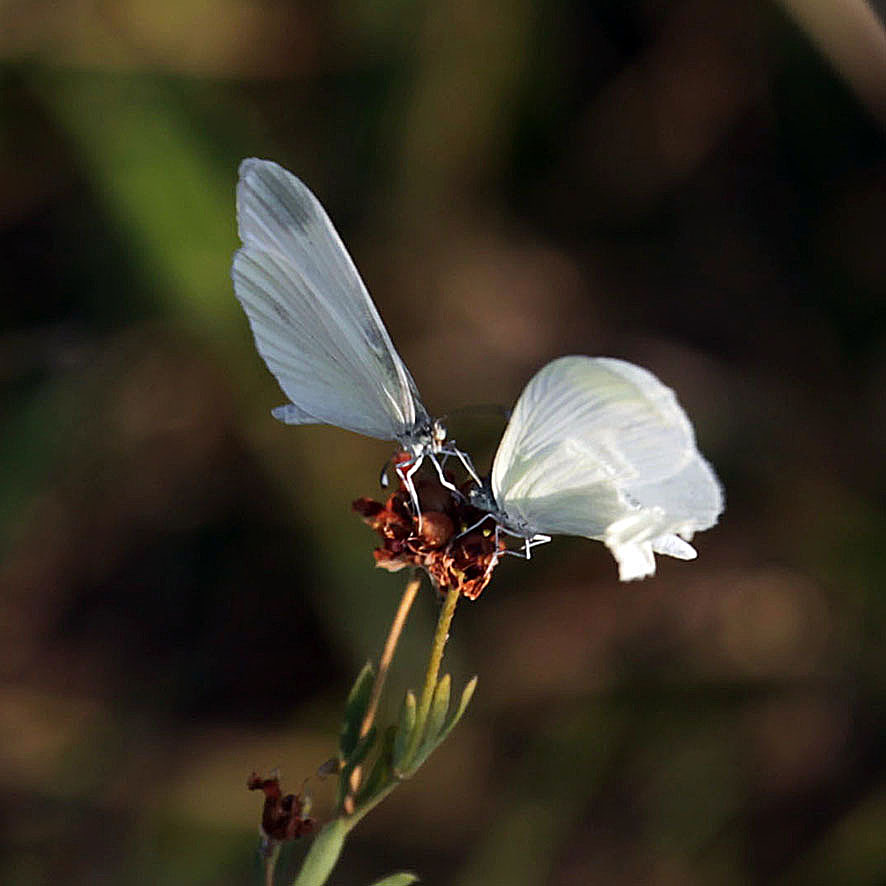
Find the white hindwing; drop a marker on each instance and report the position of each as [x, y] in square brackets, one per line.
[313, 320]
[600, 448]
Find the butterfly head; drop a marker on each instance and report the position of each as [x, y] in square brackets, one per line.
[438, 434]
[481, 497]
[424, 438]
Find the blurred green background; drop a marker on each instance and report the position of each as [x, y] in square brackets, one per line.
[698, 187]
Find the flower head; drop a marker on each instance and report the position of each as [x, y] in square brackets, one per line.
[437, 541]
[283, 817]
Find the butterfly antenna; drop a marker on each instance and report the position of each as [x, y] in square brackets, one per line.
[475, 409]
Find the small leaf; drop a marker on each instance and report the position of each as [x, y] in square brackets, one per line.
[404, 728]
[439, 709]
[402, 879]
[430, 744]
[466, 696]
[323, 855]
[381, 770]
[355, 710]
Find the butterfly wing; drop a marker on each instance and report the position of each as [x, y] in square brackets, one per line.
[314, 323]
[600, 448]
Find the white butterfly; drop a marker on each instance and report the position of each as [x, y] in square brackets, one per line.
[600, 448]
[316, 326]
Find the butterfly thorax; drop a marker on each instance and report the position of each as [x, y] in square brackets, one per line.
[483, 498]
[429, 436]
[516, 525]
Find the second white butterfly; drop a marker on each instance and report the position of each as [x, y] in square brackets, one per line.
[599, 447]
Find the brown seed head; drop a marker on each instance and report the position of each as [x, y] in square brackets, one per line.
[433, 543]
[281, 818]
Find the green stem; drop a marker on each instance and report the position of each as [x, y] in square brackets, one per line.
[441, 635]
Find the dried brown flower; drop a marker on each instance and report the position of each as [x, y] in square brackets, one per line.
[281, 817]
[435, 542]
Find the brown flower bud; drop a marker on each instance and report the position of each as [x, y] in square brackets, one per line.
[436, 529]
[433, 495]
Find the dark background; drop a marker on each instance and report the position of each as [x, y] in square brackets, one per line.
[698, 187]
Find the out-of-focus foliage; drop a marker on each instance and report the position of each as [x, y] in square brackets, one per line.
[185, 595]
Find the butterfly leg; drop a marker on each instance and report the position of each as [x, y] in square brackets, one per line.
[533, 542]
[450, 486]
[480, 522]
[466, 462]
[499, 530]
[528, 543]
[406, 477]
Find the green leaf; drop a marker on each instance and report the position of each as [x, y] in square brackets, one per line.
[466, 695]
[381, 770]
[323, 855]
[404, 728]
[404, 878]
[439, 709]
[432, 743]
[355, 711]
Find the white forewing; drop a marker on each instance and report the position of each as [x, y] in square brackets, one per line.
[600, 448]
[313, 320]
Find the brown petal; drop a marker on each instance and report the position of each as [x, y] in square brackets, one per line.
[388, 560]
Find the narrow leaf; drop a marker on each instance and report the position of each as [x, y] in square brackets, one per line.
[430, 744]
[466, 695]
[439, 710]
[404, 728]
[404, 878]
[355, 710]
[380, 774]
[323, 855]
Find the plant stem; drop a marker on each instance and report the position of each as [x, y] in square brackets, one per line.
[441, 635]
[384, 666]
[271, 864]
